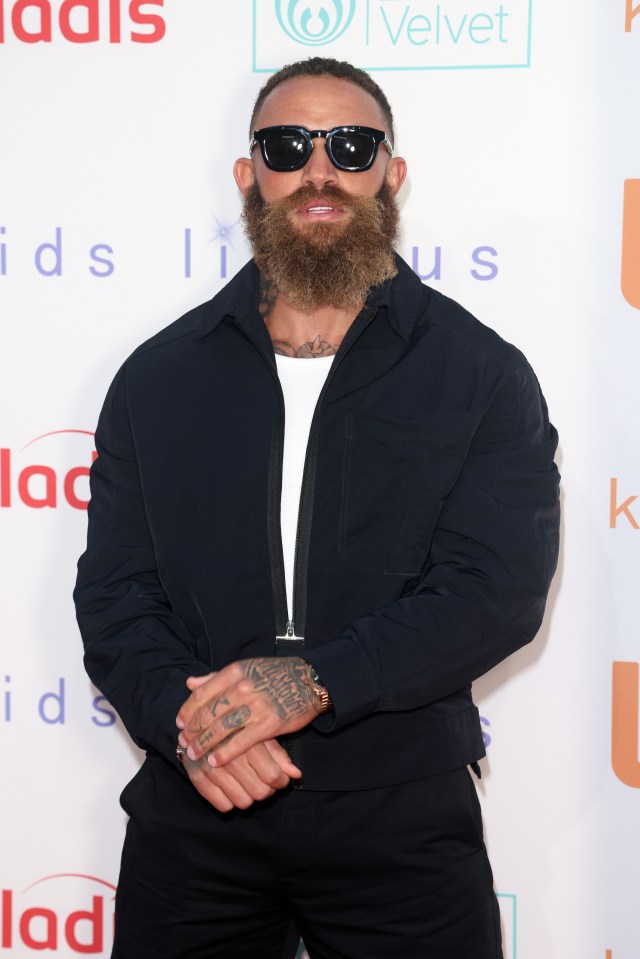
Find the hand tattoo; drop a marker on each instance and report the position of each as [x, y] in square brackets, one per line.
[220, 701]
[283, 681]
[236, 717]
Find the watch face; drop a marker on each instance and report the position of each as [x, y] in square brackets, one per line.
[314, 676]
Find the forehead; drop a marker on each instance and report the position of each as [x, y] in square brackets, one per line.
[319, 103]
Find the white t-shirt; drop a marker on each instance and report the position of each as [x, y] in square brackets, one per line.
[301, 381]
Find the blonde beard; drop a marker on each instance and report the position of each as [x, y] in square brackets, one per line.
[323, 264]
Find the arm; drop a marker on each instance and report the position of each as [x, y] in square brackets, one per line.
[481, 595]
[482, 592]
[138, 652]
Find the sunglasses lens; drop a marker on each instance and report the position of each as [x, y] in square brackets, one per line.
[285, 149]
[353, 150]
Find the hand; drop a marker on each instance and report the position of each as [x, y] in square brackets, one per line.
[253, 776]
[248, 702]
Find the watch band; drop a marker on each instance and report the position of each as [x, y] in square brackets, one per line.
[312, 680]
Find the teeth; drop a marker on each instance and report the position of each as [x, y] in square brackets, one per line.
[319, 209]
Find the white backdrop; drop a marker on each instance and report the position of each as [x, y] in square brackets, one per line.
[119, 126]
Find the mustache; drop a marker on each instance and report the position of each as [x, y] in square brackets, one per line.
[332, 195]
[316, 264]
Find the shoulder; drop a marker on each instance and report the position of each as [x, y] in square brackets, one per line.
[462, 332]
[176, 338]
[434, 321]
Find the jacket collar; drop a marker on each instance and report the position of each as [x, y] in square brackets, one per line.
[404, 298]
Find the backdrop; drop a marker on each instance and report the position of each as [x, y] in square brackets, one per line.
[118, 212]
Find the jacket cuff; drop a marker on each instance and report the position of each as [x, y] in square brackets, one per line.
[347, 674]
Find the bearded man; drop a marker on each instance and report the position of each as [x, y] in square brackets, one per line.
[326, 502]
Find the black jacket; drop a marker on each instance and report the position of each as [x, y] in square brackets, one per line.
[427, 538]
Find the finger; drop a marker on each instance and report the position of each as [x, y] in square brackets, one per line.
[234, 746]
[280, 755]
[241, 791]
[214, 795]
[200, 723]
[193, 682]
[213, 735]
[205, 692]
[207, 786]
[264, 768]
[223, 788]
[257, 774]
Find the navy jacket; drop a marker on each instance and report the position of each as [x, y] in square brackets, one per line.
[427, 537]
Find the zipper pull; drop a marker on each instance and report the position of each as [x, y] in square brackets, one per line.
[289, 644]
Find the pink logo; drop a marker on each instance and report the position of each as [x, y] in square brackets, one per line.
[81, 21]
[39, 485]
[39, 917]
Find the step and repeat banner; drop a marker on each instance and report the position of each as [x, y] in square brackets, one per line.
[120, 122]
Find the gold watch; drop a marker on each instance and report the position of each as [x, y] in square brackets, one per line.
[312, 680]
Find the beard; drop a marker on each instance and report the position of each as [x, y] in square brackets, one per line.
[323, 264]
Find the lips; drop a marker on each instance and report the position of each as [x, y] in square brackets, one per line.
[319, 209]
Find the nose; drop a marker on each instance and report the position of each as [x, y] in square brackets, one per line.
[319, 171]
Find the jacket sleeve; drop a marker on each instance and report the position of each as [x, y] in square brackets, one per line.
[137, 650]
[483, 589]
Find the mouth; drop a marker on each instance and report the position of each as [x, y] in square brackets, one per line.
[315, 211]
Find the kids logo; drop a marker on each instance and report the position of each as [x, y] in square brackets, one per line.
[26, 479]
[630, 282]
[67, 913]
[81, 21]
[625, 759]
[315, 24]
[394, 34]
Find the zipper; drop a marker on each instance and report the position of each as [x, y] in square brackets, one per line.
[307, 490]
[290, 631]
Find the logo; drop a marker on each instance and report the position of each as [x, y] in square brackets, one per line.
[618, 510]
[39, 485]
[625, 759]
[39, 917]
[630, 13]
[80, 21]
[630, 282]
[395, 34]
[52, 705]
[315, 24]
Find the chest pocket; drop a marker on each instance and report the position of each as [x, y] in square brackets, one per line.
[396, 475]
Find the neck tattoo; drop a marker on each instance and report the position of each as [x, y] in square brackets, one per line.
[309, 350]
[267, 296]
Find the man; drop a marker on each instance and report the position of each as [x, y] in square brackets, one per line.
[325, 501]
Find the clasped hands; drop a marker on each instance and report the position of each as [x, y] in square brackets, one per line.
[229, 724]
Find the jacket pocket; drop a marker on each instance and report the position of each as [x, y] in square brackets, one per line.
[396, 476]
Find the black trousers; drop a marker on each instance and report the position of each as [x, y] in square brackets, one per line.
[394, 873]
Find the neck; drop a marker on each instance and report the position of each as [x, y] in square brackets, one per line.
[299, 333]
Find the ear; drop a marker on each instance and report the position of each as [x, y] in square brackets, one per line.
[244, 174]
[396, 173]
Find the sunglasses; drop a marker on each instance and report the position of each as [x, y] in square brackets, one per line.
[287, 148]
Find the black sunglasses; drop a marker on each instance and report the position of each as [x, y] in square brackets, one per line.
[287, 148]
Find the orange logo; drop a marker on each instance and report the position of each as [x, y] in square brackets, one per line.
[631, 234]
[630, 14]
[620, 509]
[624, 723]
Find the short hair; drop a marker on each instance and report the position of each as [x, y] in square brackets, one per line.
[325, 67]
